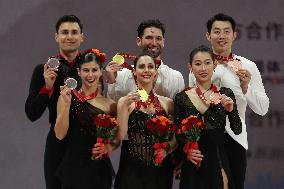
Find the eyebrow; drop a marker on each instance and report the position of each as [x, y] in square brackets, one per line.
[202, 61]
[216, 28]
[208, 59]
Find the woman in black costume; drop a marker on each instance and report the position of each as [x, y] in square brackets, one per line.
[75, 114]
[137, 168]
[207, 167]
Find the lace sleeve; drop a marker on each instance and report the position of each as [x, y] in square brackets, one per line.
[234, 118]
[178, 116]
[177, 109]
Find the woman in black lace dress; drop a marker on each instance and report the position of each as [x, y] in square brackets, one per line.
[75, 114]
[207, 167]
[137, 168]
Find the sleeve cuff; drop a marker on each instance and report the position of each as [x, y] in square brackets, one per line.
[44, 90]
[249, 92]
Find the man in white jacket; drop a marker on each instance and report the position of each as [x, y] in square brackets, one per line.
[151, 40]
[243, 77]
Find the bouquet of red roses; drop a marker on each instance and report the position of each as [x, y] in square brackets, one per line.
[191, 128]
[161, 128]
[105, 125]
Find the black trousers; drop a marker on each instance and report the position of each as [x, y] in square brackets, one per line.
[54, 151]
[70, 187]
[237, 160]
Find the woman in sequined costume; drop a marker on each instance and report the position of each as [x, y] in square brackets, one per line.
[75, 114]
[137, 169]
[207, 167]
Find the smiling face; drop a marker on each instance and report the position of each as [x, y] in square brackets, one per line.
[90, 74]
[145, 70]
[69, 37]
[152, 41]
[202, 67]
[221, 37]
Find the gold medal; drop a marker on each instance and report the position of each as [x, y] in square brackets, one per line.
[143, 95]
[118, 59]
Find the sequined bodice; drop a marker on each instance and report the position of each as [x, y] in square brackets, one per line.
[82, 130]
[77, 169]
[140, 142]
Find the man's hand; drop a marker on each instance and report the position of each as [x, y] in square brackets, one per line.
[111, 71]
[49, 75]
[245, 77]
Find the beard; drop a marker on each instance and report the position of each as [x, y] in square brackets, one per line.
[153, 54]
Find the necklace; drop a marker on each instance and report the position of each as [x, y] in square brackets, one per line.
[206, 91]
[201, 95]
[152, 99]
[223, 59]
[82, 97]
[233, 63]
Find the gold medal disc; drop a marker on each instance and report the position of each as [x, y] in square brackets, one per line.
[143, 95]
[118, 59]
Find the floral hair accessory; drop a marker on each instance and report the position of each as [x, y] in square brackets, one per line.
[100, 55]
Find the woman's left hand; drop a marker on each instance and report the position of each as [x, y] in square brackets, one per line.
[100, 149]
[161, 153]
[66, 94]
[227, 103]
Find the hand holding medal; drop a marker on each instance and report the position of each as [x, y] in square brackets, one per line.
[113, 67]
[50, 72]
[130, 98]
[119, 59]
[143, 95]
[214, 98]
[227, 103]
[65, 91]
[233, 63]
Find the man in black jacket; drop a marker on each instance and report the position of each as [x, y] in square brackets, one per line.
[45, 90]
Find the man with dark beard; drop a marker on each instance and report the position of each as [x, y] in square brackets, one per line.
[151, 40]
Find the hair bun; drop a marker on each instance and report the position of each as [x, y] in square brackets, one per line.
[100, 55]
